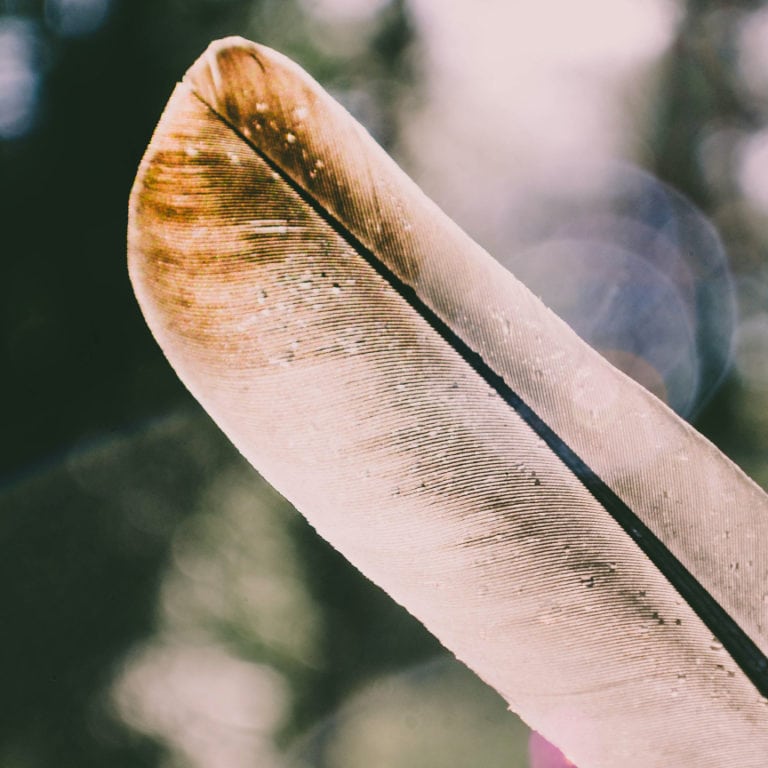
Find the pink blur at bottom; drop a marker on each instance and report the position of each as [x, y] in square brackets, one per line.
[545, 755]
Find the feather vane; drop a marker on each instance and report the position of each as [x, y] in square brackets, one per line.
[558, 528]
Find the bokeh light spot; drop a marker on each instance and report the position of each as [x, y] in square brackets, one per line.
[753, 168]
[19, 76]
[640, 274]
[344, 10]
[213, 709]
[76, 18]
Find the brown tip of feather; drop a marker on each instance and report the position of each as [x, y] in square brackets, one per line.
[250, 87]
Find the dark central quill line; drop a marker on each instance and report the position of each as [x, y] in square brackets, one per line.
[735, 641]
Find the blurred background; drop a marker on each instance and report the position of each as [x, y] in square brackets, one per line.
[160, 605]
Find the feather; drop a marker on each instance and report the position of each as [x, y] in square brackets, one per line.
[558, 528]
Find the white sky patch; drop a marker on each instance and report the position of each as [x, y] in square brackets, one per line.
[523, 99]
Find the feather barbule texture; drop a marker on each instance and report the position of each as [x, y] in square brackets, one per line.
[559, 529]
